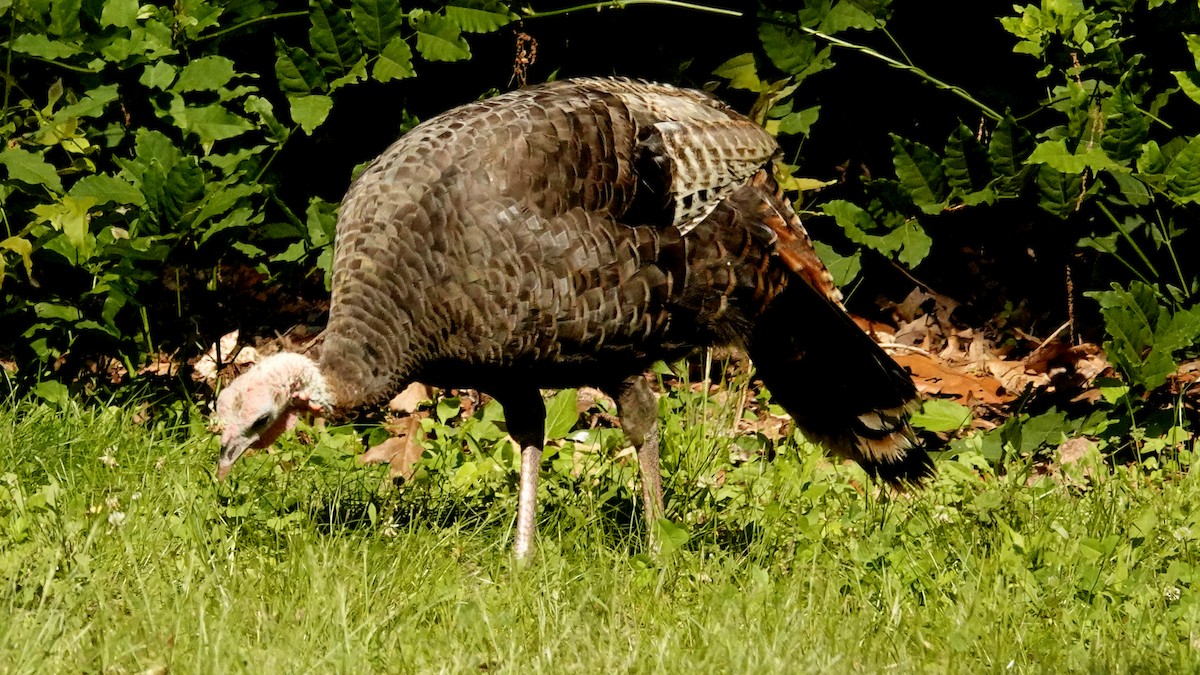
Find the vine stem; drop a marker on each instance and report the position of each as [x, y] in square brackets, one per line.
[894, 63]
[257, 19]
[530, 13]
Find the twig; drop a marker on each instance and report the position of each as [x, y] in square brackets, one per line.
[904, 347]
[530, 13]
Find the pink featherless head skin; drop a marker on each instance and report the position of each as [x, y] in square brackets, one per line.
[265, 402]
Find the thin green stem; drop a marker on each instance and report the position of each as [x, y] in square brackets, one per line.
[900, 65]
[60, 64]
[530, 13]
[1125, 234]
[1162, 230]
[8, 78]
[248, 22]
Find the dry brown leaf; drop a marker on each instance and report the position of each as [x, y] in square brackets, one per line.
[401, 452]
[407, 401]
[933, 377]
[205, 369]
[1074, 449]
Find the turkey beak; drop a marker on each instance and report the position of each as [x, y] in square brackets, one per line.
[230, 452]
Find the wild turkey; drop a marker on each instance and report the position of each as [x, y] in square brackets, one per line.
[574, 233]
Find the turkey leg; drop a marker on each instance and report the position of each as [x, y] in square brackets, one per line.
[525, 414]
[639, 420]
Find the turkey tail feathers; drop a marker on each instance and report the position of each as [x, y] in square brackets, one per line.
[837, 383]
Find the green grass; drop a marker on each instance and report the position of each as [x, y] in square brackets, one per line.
[301, 563]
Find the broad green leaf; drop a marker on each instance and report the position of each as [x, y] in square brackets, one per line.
[122, 13]
[221, 199]
[670, 536]
[920, 172]
[1193, 45]
[23, 248]
[792, 52]
[70, 216]
[28, 167]
[394, 62]
[1189, 83]
[377, 21]
[966, 162]
[911, 241]
[483, 17]
[321, 221]
[843, 268]
[92, 104]
[1183, 173]
[799, 122]
[158, 76]
[1058, 193]
[208, 73]
[1133, 190]
[941, 415]
[1151, 159]
[741, 73]
[296, 71]
[1144, 333]
[40, 45]
[310, 111]
[440, 39]
[356, 74]
[52, 392]
[1125, 127]
[1056, 155]
[64, 18]
[332, 37]
[847, 15]
[561, 414]
[1008, 148]
[104, 188]
[210, 123]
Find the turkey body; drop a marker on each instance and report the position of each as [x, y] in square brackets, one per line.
[576, 232]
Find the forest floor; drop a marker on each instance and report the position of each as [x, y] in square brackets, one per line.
[120, 553]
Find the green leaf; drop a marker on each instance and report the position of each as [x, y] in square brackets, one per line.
[670, 537]
[210, 123]
[40, 45]
[484, 17]
[1189, 83]
[911, 241]
[158, 76]
[1058, 193]
[321, 221]
[941, 415]
[741, 73]
[377, 21]
[52, 392]
[1125, 127]
[310, 111]
[1008, 148]
[297, 72]
[104, 188]
[122, 13]
[1056, 155]
[1145, 334]
[332, 38]
[561, 414]
[966, 162]
[70, 216]
[1193, 45]
[799, 122]
[843, 268]
[208, 73]
[23, 248]
[394, 62]
[920, 172]
[64, 18]
[440, 39]
[28, 167]
[848, 15]
[1183, 172]
[793, 52]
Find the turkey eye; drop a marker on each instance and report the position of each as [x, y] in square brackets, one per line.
[261, 422]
